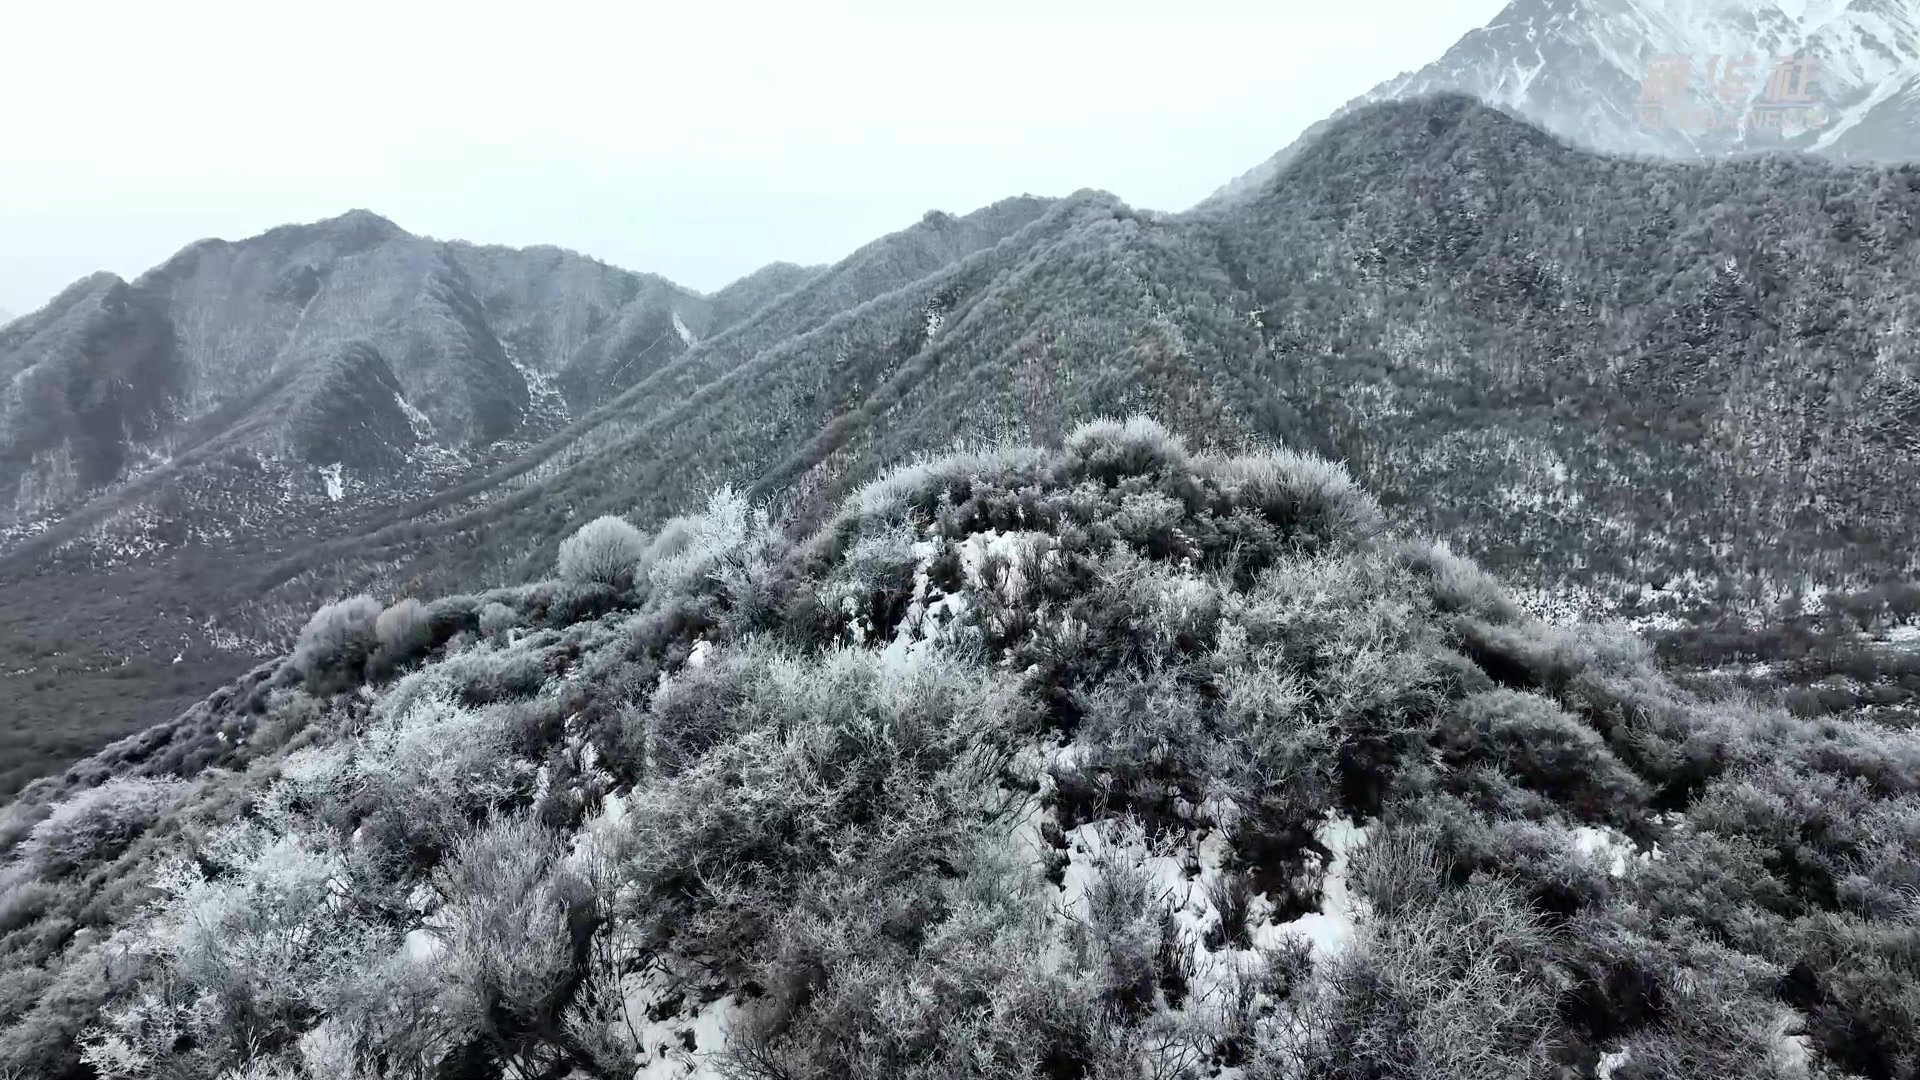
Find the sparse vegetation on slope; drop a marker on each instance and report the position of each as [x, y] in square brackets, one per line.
[1117, 759]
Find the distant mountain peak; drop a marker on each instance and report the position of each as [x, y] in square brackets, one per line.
[1687, 79]
[358, 220]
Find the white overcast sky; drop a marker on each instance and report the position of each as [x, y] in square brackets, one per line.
[698, 141]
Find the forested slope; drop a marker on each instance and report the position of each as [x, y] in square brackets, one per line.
[1631, 385]
[248, 399]
[1616, 371]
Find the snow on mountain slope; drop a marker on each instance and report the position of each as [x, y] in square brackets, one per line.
[1886, 129]
[1582, 68]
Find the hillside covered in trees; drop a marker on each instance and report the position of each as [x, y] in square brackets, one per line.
[1628, 385]
[279, 421]
[1110, 759]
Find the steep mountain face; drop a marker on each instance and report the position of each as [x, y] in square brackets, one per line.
[1736, 342]
[249, 399]
[90, 383]
[591, 326]
[1888, 129]
[1692, 79]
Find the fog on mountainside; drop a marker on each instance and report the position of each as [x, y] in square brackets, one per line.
[1444, 607]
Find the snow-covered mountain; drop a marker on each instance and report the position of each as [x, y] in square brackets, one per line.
[1687, 78]
[251, 344]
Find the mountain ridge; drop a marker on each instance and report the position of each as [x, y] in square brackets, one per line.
[265, 469]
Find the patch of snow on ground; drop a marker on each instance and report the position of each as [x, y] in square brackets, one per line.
[331, 475]
[1789, 1048]
[1331, 928]
[686, 335]
[422, 427]
[928, 616]
[1611, 847]
[682, 1044]
[422, 946]
[601, 831]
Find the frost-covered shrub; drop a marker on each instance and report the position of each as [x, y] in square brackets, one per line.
[1151, 521]
[1311, 500]
[916, 491]
[951, 985]
[710, 545]
[333, 648]
[1399, 869]
[607, 550]
[875, 583]
[1460, 988]
[22, 900]
[403, 630]
[1460, 585]
[18, 818]
[97, 823]
[253, 935]
[506, 919]
[1546, 748]
[1107, 450]
[496, 618]
[821, 747]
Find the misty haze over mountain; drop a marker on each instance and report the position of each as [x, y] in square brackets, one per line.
[588, 576]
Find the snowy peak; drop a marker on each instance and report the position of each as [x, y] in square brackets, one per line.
[1690, 79]
[1597, 65]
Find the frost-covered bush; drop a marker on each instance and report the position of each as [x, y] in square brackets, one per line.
[98, 822]
[496, 618]
[824, 747]
[915, 491]
[258, 932]
[1459, 988]
[1313, 500]
[1460, 585]
[694, 548]
[607, 550]
[403, 630]
[1545, 748]
[1107, 450]
[1399, 869]
[333, 648]
[506, 919]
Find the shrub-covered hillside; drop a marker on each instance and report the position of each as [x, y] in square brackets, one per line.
[1115, 760]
